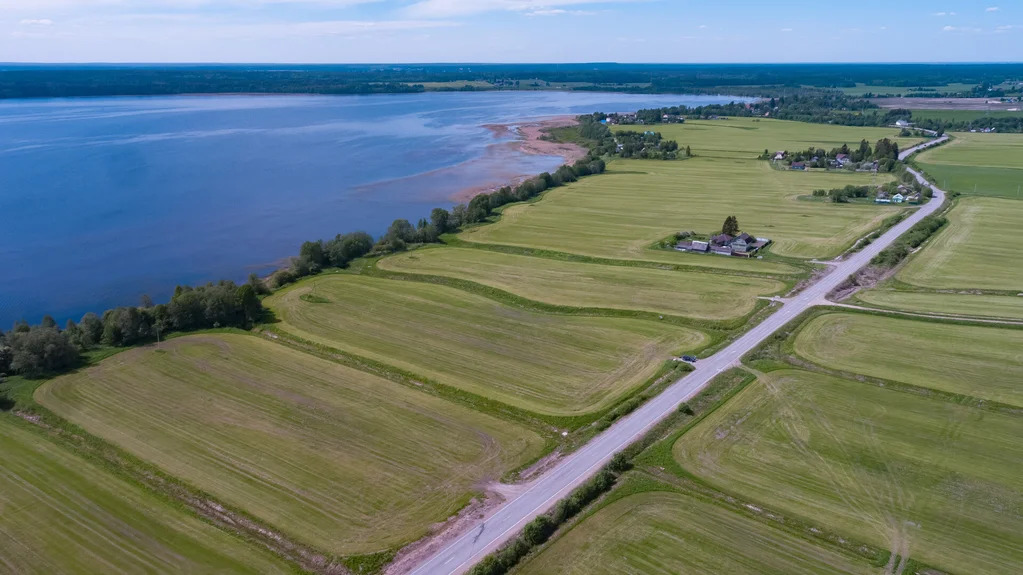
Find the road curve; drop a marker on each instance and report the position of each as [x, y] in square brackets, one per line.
[485, 536]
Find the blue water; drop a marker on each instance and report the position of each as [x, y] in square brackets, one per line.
[105, 199]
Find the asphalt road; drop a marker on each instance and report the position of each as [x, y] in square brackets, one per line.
[486, 536]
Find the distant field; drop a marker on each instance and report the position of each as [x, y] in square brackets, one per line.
[972, 253]
[929, 479]
[62, 514]
[994, 306]
[984, 362]
[671, 533]
[697, 295]
[749, 137]
[861, 89]
[978, 164]
[336, 458]
[550, 364]
[963, 115]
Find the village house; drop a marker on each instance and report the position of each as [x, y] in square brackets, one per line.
[898, 198]
[779, 156]
[743, 245]
[842, 159]
[903, 124]
[798, 166]
[882, 198]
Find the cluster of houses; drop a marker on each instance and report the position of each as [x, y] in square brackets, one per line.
[743, 245]
[840, 161]
[901, 195]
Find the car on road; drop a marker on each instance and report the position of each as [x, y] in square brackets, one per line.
[689, 358]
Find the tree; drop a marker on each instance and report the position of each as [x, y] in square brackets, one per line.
[439, 218]
[251, 306]
[40, 350]
[731, 226]
[48, 321]
[145, 302]
[258, 285]
[91, 328]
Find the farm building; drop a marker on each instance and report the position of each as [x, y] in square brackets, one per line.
[798, 166]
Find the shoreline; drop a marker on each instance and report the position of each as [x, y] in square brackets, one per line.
[528, 140]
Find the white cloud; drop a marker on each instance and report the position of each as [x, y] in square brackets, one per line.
[453, 8]
[702, 26]
[36, 22]
[559, 12]
[949, 28]
[944, 13]
[992, 9]
[786, 29]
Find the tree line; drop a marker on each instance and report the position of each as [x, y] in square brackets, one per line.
[628, 143]
[885, 152]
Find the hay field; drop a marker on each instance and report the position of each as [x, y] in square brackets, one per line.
[334, 457]
[549, 364]
[688, 294]
[928, 479]
[62, 514]
[668, 533]
[978, 164]
[975, 251]
[639, 202]
[969, 305]
[984, 362]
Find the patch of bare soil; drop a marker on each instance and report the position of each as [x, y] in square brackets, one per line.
[443, 533]
[541, 466]
[803, 284]
[866, 278]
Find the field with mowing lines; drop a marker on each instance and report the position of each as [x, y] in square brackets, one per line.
[985, 306]
[337, 458]
[749, 137]
[984, 362]
[972, 253]
[978, 164]
[963, 115]
[669, 533]
[61, 514]
[928, 479]
[639, 202]
[550, 364]
[688, 294]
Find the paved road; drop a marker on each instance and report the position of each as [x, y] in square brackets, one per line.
[486, 536]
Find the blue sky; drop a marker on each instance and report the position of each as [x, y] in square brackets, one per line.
[510, 31]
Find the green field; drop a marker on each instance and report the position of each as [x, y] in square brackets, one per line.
[962, 115]
[984, 362]
[550, 364]
[696, 295]
[978, 164]
[907, 91]
[337, 458]
[670, 533]
[970, 305]
[62, 514]
[925, 478]
[639, 202]
[973, 252]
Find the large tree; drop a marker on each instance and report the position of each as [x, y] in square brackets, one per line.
[731, 226]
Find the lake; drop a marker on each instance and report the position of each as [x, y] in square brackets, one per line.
[105, 199]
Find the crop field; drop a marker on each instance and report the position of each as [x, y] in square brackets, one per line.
[549, 364]
[978, 164]
[639, 202]
[984, 362]
[669, 533]
[696, 295]
[861, 89]
[336, 458]
[970, 305]
[972, 252]
[747, 138]
[928, 479]
[61, 514]
[963, 115]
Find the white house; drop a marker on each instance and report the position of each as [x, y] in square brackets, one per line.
[898, 198]
[902, 124]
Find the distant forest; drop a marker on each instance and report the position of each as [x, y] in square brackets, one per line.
[33, 81]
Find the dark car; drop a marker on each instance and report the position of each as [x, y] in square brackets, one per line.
[688, 358]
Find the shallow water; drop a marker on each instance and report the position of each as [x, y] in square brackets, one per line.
[105, 199]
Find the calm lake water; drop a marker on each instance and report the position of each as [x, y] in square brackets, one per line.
[103, 200]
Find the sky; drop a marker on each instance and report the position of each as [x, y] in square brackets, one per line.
[411, 31]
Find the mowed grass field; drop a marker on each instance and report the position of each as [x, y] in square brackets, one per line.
[969, 305]
[670, 533]
[978, 164]
[975, 251]
[549, 364]
[336, 458]
[984, 362]
[61, 514]
[639, 202]
[929, 479]
[963, 115]
[688, 294]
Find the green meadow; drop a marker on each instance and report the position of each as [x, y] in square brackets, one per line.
[963, 115]
[547, 363]
[927, 479]
[62, 514]
[665, 533]
[978, 164]
[336, 458]
[983, 362]
[966, 305]
[973, 252]
[688, 294]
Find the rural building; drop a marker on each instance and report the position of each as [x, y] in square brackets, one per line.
[913, 198]
[898, 198]
[798, 166]
[842, 159]
[693, 246]
[882, 198]
[779, 156]
[903, 124]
